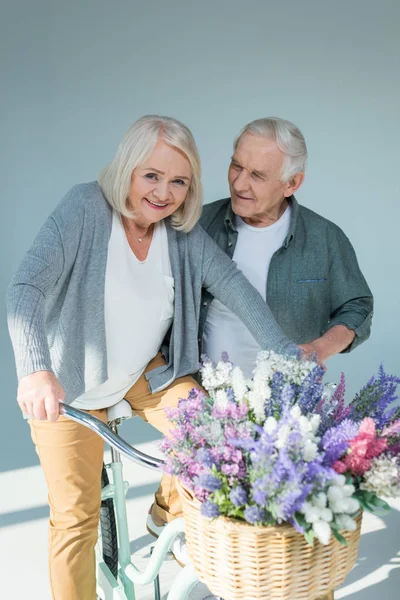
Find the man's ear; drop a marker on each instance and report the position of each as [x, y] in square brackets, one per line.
[294, 183]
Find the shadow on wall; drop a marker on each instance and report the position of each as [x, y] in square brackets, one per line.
[376, 573]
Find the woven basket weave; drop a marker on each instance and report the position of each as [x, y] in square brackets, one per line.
[239, 561]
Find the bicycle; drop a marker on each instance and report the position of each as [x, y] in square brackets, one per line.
[116, 575]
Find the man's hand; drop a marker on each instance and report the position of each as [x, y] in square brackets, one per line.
[39, 395]
[333, 341]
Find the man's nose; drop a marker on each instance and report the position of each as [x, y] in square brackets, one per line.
[241, 182]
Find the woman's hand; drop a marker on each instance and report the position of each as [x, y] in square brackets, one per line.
[39, 395]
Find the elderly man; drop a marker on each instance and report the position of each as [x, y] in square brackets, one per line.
[303, 264]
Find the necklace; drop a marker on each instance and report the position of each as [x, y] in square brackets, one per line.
[138, 239]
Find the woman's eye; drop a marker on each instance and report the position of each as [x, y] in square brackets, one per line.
[179, 181]
[151, 176]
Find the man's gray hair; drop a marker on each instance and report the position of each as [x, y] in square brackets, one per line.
[288, 138]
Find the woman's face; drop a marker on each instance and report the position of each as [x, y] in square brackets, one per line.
[160, 185]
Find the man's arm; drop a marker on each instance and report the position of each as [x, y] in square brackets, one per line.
[335, 340]
[351, 303]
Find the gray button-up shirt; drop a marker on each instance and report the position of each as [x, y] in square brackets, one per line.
[314, 281]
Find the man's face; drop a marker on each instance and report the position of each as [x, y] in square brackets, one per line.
[254, 180]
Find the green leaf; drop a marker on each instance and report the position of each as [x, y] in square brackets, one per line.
[379, 503]
[300, 520]
[339, 537]
[309, 537]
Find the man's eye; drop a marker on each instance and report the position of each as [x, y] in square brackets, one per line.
[235, 166]
[151, 176]
[256, 176]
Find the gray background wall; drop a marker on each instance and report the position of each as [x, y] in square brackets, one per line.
[74, 75]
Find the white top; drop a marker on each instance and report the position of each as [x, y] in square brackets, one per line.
[138, 310]
[223, 331]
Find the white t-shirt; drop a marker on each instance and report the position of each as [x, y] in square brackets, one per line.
[224, 331]
[138, 311]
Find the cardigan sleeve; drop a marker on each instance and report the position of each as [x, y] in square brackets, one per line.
[50, 255]
[36, 276]
[226, 282]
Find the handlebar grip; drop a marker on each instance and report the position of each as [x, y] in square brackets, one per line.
[114, 440]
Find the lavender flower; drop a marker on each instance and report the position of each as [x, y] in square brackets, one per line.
[336, 440]
[209, 482]
[205, 457]
[210, 509]
[238, 496]
[254, 514]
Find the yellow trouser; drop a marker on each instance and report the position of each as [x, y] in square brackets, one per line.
[71, 456]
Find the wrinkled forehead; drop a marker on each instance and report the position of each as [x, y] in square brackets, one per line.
[258, 153]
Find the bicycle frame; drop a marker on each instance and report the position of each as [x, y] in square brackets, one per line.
[123, 588]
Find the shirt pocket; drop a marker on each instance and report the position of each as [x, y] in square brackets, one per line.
[311, 280]
[168, 296]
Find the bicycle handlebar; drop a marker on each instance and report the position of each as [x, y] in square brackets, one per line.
[114, 440]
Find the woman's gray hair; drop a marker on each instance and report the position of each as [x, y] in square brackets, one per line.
[135, 148]
[289, 140]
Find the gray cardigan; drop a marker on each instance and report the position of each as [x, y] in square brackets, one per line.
[56, 298]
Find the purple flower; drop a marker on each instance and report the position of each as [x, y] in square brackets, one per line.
[209, 482]
[311, 390]
[205, 457]
[230, 469]
[254, 514]
[210, 509]
[238, 496]
[336, 440]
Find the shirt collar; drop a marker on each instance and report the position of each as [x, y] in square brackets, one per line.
[230, 219]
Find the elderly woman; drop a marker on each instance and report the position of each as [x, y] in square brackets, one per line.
[118, 264]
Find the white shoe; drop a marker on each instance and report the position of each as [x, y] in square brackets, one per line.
[178, 546]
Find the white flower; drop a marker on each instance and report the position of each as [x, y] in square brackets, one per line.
[312, 514]
[270, 425]
[383, 477]
[353, 505]
[257, 404]
[315, 423]
[335, 493]
[326, 515]
[320, 500]
[348, 490]
[340, 480]
[283, 434]
[340, 497]
[238, 383]
[305, 425]
[346, 522]
[310, 451]
[322, 531]
[221, 399]
[295, 411]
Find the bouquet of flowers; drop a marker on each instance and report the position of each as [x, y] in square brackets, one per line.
[284, 448]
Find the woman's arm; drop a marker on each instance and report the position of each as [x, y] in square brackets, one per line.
[39, 391]
[34, 280]
[53, 251]
[226, 282]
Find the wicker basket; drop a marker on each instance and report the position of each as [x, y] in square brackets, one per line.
[238, 561]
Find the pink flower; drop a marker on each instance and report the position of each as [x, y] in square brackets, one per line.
[363, 448]
[340, 467]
